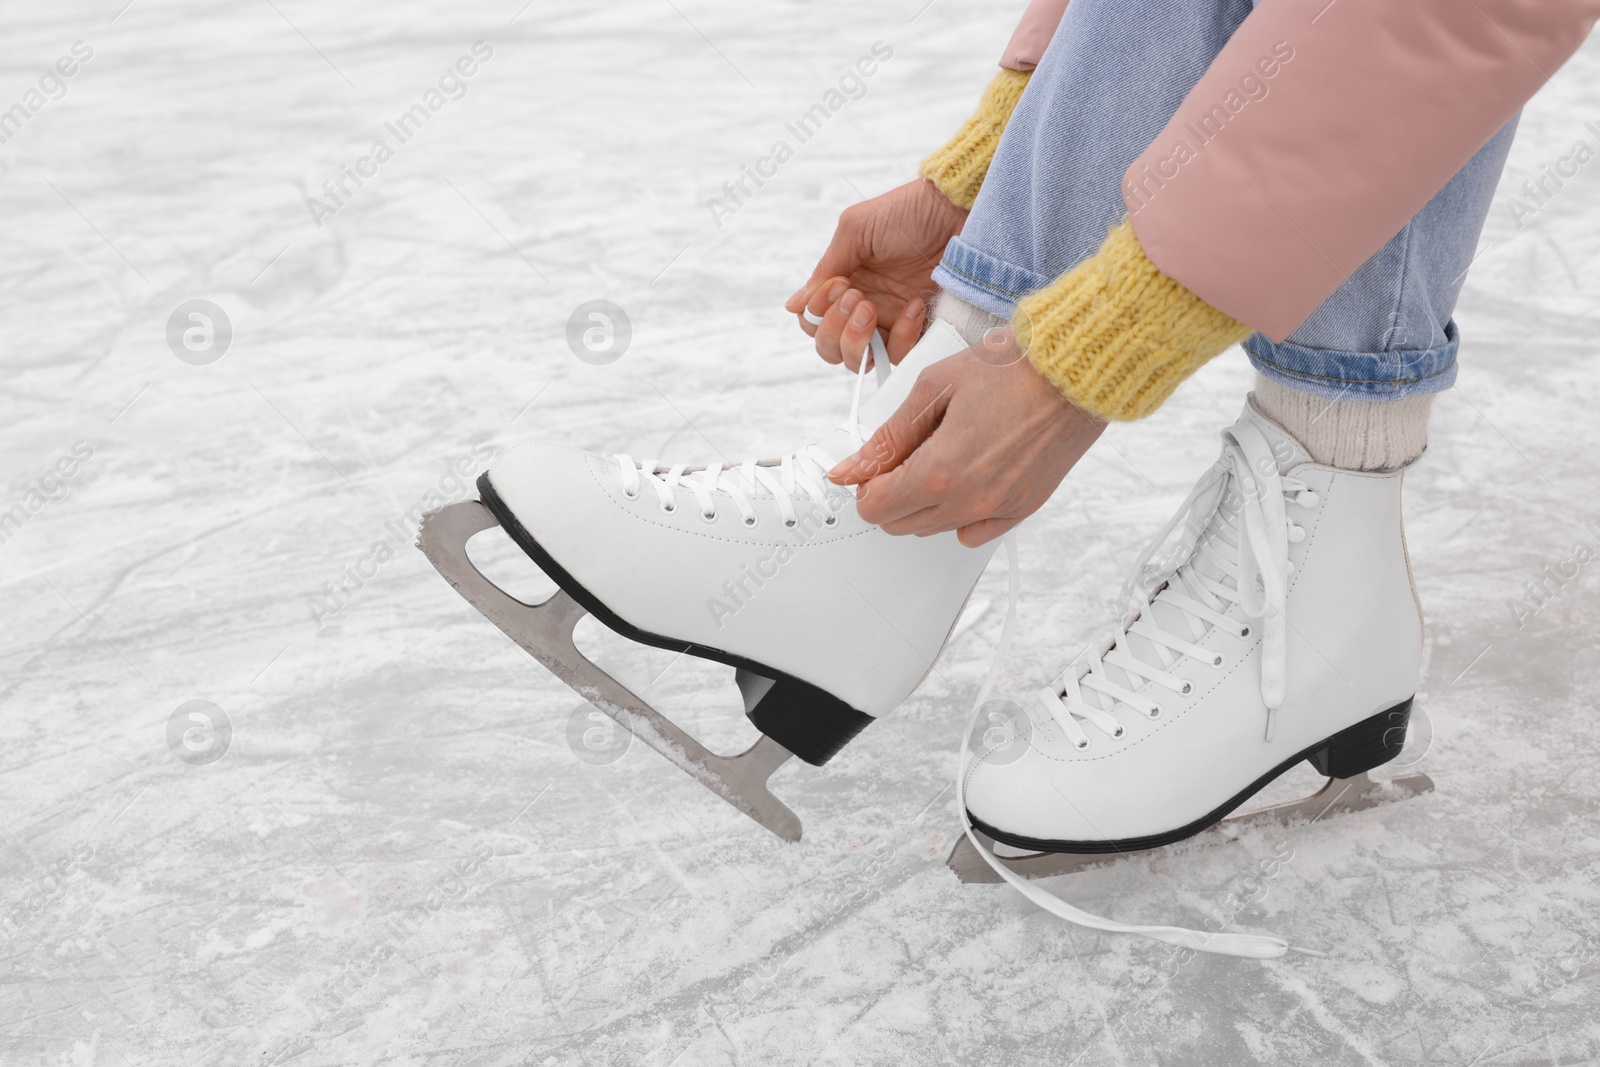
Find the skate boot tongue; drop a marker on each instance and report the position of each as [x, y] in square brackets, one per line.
[1232, 548]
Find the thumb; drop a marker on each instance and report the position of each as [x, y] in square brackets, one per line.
[902, 434]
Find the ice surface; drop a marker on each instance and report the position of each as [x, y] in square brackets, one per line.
[399, 860]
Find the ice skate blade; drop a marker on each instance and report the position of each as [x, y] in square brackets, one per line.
[1336, 795]
[544, 631]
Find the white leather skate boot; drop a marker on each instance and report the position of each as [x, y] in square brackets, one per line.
[763, 565]
[1287, 630]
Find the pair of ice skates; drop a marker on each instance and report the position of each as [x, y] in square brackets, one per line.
[1285, 629]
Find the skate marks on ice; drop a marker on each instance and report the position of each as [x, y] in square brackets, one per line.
[1337, 796]
[545, 632]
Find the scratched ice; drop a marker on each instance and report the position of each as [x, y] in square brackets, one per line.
[398, 858]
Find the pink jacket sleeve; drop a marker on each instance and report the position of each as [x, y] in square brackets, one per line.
[1033, 33]
[1321, 128]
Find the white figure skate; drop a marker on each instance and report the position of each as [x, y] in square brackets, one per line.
[756, 565]
[1287, 630]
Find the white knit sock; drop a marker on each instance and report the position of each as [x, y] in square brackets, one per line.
[1362, 435]
[969, 320]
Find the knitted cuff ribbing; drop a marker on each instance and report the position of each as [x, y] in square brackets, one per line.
[1358, 434]
[1116, 335]
[958, 168]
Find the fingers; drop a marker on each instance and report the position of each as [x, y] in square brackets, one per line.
[858, 331]
[893, 443]
[837, 329]
[906, 330]
[820, 299]
[986, 530]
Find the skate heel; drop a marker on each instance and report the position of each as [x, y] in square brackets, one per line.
[1369, 743]
[810, 722]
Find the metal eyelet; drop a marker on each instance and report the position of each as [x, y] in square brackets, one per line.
[1188, 687]
[750, 520]
[1245, 632]
[1154, 712]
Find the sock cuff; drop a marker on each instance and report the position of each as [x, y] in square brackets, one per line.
[1360, 434]
[959, 167]
[969, 320]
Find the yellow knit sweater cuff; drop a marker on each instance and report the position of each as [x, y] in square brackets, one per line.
[1116, 335]
[958, 168]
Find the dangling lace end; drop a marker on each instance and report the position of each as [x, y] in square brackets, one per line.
[1272, 722]
[1308, 952]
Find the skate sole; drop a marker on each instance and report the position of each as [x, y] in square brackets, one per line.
[808, 721]
[1352, 751]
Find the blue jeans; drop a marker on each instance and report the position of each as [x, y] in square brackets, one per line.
[1113, 75]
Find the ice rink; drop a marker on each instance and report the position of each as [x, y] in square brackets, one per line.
[400, 858]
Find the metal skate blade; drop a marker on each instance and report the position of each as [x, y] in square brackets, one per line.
[544, 631]
[1336, 795]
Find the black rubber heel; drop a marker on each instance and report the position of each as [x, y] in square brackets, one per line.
[807, 721]
[1369, 743]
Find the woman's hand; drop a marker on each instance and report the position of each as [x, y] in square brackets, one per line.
[876, 272]
[978, 446]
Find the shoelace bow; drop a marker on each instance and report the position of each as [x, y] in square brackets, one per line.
[1253, 552]
[801, 472]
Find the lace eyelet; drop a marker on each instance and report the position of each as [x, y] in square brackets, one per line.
[1217, 661]
[708, 516]
[1122, 731]
[1081, 746]
[1188, 687]
[1245, 631]
[630, 496]
[831, 520]
[1154, 712]
[750, 520]
[789, 524]
[668, 509]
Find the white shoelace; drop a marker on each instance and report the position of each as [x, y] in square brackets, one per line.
[803, 472]
[1195, 593]
[1214, 567]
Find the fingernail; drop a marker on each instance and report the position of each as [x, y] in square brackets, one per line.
[912, 310]
[862, 316]
[798, 293]
[842, 471]
[836, 290]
